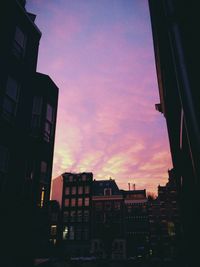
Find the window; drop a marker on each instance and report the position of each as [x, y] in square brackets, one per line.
[107, 205]
[79, 215]
[107, 191]
[80, 202]
[84, 177]
[19, 43]
[42, 197]
[65, 233]
[80, 190]
[98, 205]
[11, 98]
[4, 157]
[67, 202]
[87, 201]
[67, 190]
[117, 205]
[73, 216]
[73, 202]
[36, 114]
[73, 190]
[86, 216]
[71, 232]
[87, 189]
[43, 171]
[53, 229]
[65, 216]
[48, 127]
[85, 234]
[78, 233]
[71, 178]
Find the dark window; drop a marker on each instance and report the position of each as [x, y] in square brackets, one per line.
[19, 43]
[36, 114]
[11, 98]
[49, 123]
[44, 172]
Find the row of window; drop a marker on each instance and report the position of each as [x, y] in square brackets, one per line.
[10, 104]
[77, 178]
[77, 190]
[76, 216]
[75, 233]
[107, 205]
[73, 202]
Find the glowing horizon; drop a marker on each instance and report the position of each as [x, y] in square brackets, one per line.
[100, 55]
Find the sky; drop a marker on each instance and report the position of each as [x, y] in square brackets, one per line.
[100, 55]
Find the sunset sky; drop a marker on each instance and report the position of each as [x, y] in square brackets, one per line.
[100, 55]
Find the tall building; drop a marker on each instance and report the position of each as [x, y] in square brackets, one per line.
[76, 213]
[28, 109]
[175, 31]
[136, 223]
[107, 221]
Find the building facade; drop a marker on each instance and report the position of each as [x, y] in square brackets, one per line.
[107, 221]
[76, 213]
[28, 109]
[174, 27]
[136, 223]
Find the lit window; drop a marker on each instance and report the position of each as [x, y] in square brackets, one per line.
[11, 98]
[65, 233]
[67, 202]
[87, 189]
[87, 201]
[53, 229]
[73, 190]
[67, 190]
[80, 190]
[42, 197]
[80, 202]
[19, 43]
[73, 202]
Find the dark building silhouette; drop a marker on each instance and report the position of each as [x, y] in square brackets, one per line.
[28, 107]
[164, 221]
[174, 26]
[76, 213]
[107, 221]
[136, 223]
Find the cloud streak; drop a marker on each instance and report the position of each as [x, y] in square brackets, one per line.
[100, 54]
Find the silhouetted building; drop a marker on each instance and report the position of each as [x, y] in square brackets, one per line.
[76, 213]
[174, 26]
[164, 220]
[107, 221]
[136, 223]
[28, 107]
